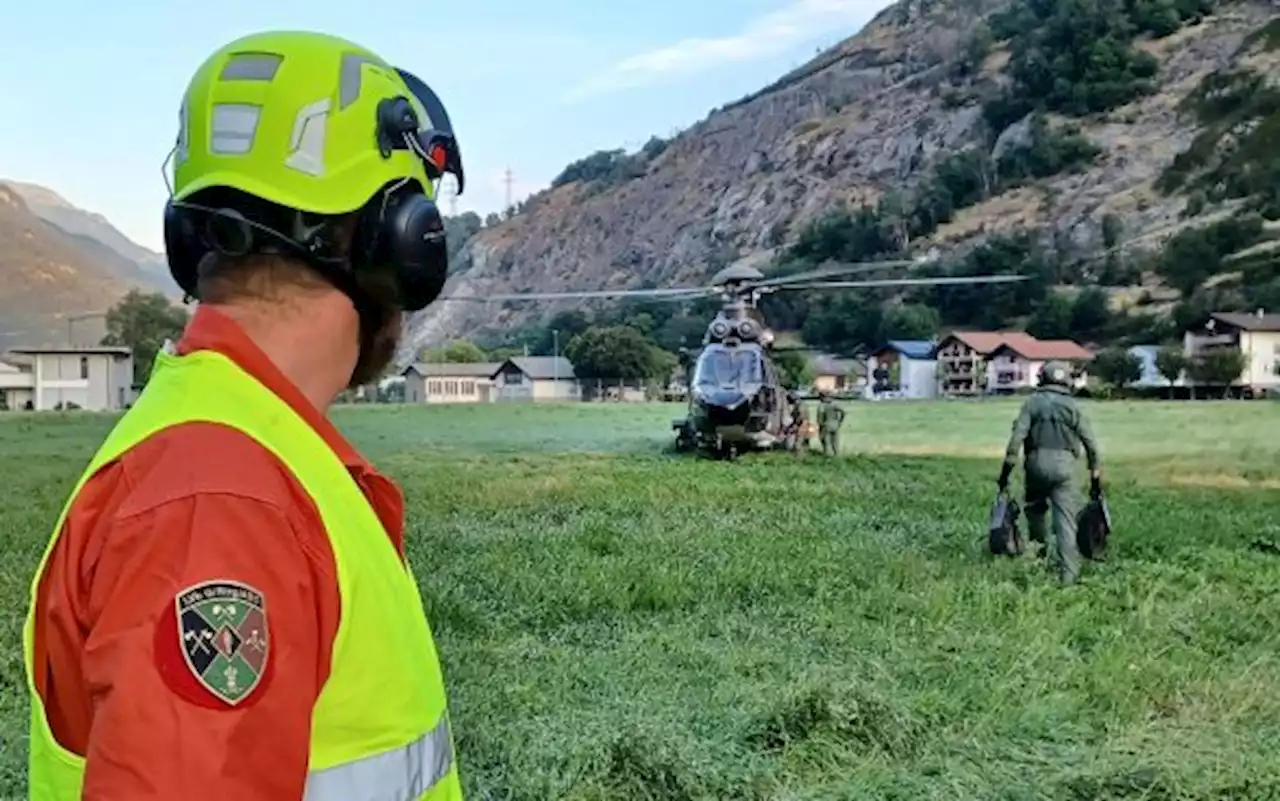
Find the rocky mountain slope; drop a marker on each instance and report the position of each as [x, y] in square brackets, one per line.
[870, 122]
[46, 274]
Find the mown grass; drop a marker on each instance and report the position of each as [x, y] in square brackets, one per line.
[619, 623]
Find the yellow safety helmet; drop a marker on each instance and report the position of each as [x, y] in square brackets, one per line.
[318, 125]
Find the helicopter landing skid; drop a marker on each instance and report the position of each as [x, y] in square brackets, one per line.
[727, 449]
[686, 437]
[726, 442]
[730, 442]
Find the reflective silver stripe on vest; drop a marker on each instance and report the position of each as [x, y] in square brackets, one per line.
[402, 774]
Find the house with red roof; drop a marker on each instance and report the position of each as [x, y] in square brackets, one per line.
[1017, 364]
[962, 359]
[981, 362]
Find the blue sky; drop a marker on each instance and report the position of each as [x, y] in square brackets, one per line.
[89, 96]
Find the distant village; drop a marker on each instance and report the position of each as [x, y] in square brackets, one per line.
[959, 364]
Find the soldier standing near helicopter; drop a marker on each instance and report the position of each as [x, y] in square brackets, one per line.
[799, 430]
[1052, 430]
[830, 417]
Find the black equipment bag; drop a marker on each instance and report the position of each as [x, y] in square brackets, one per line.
[1003, 536]
[1093, 526]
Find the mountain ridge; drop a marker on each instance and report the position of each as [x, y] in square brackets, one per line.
[46, 275]
[139, 263]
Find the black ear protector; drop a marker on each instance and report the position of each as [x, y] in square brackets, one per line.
[400, 234]
[398, 256]
[232, 224]
[401, 231]
[184, 247]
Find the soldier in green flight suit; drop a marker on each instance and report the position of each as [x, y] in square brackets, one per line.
[830, 417]
[1052, 430]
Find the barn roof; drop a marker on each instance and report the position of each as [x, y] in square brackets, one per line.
[541, 368]
[453, 369]
[827, 364]
[1039, 350]
[985, 342]
[1258, 321]
[911, 348]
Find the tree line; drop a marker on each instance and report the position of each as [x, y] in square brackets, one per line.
[1118, 368]
[619, 344]
[605, 351]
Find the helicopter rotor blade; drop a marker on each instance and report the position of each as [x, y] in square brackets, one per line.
[690, 296]
[603, 293]
[678, 294]
[977, 279]
[831, 272]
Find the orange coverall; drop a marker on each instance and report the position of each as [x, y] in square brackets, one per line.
[196, 502]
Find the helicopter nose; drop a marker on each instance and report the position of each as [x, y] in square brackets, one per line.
[727, 408]
[727, 399]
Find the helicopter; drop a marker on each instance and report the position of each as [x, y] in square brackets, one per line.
[737, 401]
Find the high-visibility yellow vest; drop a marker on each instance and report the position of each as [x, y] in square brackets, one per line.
[380, 726]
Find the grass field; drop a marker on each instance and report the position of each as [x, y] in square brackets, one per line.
[620, 623]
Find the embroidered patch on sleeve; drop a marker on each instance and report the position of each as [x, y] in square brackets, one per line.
[222, 628]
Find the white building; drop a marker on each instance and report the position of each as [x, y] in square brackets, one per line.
[1017, 363]
[1256, 336]
[537, 378]
[98, 379]
[449, 382]
[904, 368]
[17, 386]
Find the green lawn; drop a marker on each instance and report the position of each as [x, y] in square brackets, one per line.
[621, 623]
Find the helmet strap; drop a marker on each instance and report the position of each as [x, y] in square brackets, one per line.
[231, 233]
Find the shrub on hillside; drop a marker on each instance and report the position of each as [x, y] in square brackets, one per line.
[1077, 56]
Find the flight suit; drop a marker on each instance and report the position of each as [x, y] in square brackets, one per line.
[1052, 430]
[799, 426]
[830, 417]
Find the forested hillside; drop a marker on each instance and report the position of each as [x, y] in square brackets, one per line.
[1121, 153]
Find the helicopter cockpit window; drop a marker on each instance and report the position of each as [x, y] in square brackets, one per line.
[724, 367]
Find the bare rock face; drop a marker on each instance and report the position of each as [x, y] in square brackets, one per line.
[1016, 135]
[868, 116]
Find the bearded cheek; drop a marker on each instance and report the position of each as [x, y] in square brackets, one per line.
[376, 355]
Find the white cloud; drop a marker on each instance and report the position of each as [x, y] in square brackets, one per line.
[768, 34]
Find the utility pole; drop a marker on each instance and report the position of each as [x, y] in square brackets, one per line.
[507, 181]
[555, 360]
[453, 196]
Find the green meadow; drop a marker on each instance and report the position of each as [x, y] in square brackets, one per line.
[620, 622]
